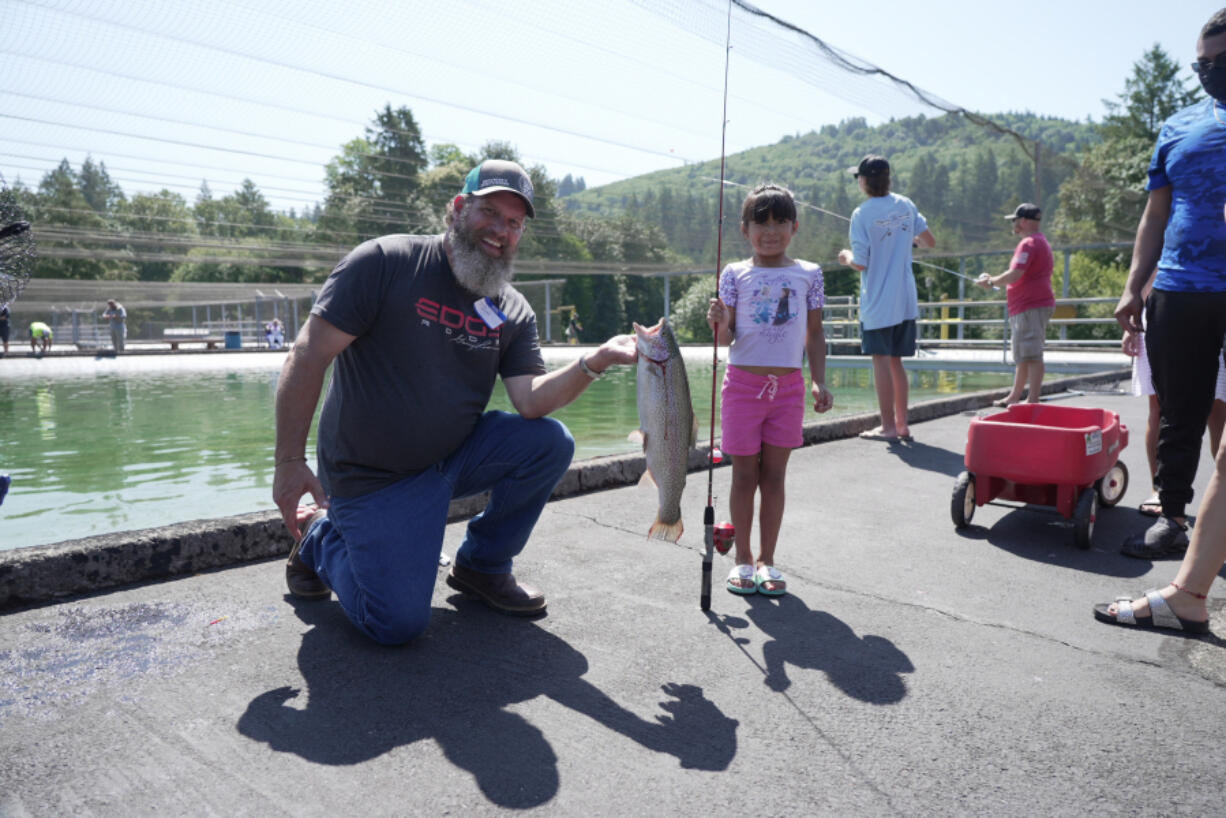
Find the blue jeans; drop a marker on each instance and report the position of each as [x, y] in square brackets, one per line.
[379, 552]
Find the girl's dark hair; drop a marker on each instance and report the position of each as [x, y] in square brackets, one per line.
[766, 201]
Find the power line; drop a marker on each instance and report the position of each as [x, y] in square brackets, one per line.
[352, 81]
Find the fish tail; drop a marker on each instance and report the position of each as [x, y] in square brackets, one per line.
[665, 531]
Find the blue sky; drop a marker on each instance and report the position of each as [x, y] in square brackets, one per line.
[169, 92]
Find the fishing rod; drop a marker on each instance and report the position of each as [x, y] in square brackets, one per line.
[708, 517]
[920, 262]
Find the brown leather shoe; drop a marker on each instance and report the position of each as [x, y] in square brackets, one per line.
[499, 591]
[300, 579]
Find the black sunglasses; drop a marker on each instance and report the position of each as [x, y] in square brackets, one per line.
[1203, 67]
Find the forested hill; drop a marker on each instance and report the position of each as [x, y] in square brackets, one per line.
[964, 178]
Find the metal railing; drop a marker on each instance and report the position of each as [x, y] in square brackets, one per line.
[945, 324]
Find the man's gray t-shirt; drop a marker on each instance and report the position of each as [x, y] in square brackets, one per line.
[419, 374]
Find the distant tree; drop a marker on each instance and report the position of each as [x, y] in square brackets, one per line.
[244, 214]
[440, 184]
[204, 211]
[398, 155]
[566, 187]
[61, 203]
[1104, 197]
[580, 185]
[689, 315]
[202, 267]
[1153, 92]
[445, 153]
[102, 194]
[498, 149]
[145, 218]
[373, 185]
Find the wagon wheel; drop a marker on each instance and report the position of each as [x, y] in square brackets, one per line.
[962, 504]
[1083, 517]
[1112, 485]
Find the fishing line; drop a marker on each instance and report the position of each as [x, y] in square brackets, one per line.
[708, 518]
[920, 262]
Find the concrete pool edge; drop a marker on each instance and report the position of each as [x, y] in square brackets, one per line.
[46, 573]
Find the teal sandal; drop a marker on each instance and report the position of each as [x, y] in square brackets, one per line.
[742, 580]
[770, 581]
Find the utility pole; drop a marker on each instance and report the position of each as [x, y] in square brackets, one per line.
[1038, 176]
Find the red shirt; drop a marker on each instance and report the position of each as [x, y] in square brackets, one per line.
[1033, 289]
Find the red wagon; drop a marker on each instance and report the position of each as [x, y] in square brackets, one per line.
[1062, 456]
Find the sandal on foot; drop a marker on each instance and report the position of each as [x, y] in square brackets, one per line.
[877, 434]
[1161, 617]
[741, 580]
[1151, 507]
[770, 581]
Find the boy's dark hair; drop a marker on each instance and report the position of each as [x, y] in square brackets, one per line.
[766, 201]
[1215, 26]
[878, 184]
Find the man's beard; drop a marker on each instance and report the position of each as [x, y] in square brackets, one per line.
[477, 272]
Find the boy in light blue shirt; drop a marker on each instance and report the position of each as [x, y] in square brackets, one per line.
[883, 232]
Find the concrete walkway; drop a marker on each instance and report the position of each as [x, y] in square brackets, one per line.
[913, 670]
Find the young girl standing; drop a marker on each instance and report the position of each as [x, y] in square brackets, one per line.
[770, 312]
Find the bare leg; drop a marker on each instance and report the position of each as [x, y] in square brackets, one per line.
[770, 514]
[1034, 380]
[1217, 419]
[883, 380]
[1151, 438]
[740, 504]
[1205, 556]
[1019, 385]
[898, 377]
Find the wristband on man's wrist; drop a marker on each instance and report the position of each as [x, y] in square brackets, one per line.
[285, 460]
[587, 370]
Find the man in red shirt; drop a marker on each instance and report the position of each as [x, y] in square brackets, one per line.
[1030, 301]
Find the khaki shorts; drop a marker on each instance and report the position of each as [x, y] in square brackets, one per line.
[1029, 331]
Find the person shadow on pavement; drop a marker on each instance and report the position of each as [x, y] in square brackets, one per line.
[455, 685]
[930, 458]
[867, 668]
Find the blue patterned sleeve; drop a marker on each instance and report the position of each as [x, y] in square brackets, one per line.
[1157, 164]
[816, 297]
[727, 286]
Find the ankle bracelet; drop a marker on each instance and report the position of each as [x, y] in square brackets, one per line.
[1178, 587]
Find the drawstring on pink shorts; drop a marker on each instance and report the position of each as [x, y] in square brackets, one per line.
[770, 388]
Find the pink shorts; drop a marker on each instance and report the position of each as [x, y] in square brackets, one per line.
[757, 409]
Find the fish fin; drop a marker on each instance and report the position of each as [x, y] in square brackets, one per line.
[647, 479]
[693, 430]
[665, 531]
[638, 436]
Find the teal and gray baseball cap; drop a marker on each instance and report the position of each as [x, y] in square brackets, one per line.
[494, 175]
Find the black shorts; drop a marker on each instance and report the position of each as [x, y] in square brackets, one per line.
[897, 341]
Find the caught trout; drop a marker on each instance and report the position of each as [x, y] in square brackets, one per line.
[668, 428]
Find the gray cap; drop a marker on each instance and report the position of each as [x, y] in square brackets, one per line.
[494, 175]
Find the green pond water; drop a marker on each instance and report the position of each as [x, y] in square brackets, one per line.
[110, 446]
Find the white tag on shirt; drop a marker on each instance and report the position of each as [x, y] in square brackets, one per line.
[490, 314]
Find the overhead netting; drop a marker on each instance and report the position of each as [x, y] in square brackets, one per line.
[238, 141]
[17, 249]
